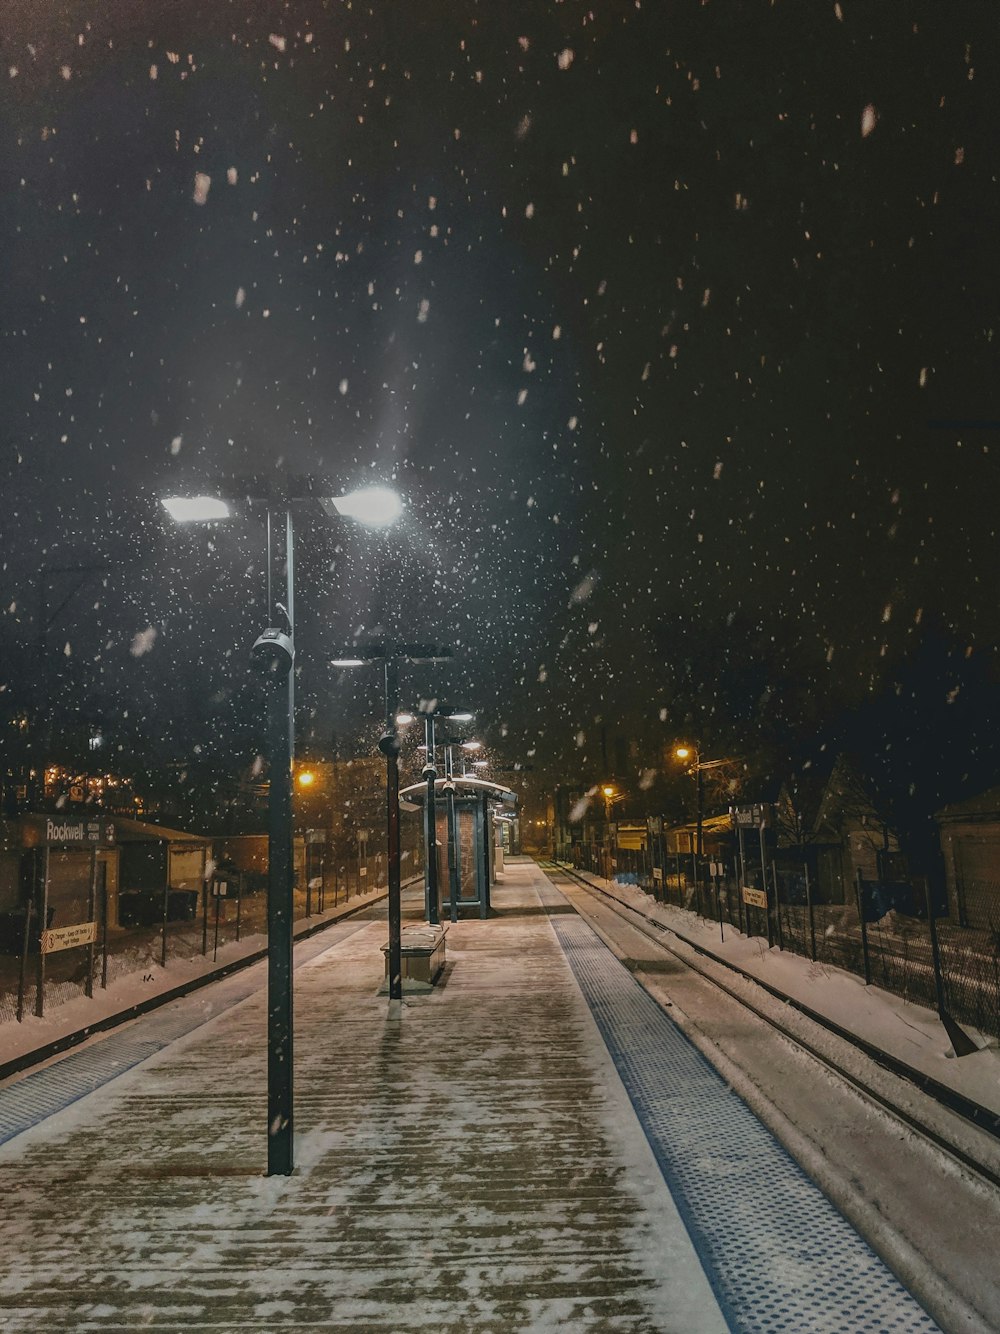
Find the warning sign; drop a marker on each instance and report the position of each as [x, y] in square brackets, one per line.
[757, 898]
[66, 937]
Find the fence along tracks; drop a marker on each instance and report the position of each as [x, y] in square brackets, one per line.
[973, 1113]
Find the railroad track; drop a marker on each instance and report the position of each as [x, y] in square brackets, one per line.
[983, 1160]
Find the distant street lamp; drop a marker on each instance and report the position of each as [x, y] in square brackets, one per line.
[391, 656]
[273, 654]
[698, 767]
[430, 812]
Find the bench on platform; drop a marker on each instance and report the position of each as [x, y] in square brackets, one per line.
[421, 956]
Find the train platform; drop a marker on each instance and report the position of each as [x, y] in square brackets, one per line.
[533, 1145]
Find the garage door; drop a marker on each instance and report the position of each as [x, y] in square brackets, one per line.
[977, 878]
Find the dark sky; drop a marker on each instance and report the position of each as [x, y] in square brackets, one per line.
[648, 309]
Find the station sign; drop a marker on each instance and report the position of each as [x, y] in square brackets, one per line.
[67, 937]
[78, 831]
[749, 817]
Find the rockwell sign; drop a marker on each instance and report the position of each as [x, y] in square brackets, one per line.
[85, 833]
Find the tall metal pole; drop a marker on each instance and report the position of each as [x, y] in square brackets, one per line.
[281, 742]
[449, 789]
[390, 746]
[430, 840]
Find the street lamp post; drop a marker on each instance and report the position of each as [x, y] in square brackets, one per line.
[391, 656]
[273, 653]
[449, 790]
[430, 831]
[698, 767]
[430, 812]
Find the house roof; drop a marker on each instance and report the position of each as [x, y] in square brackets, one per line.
[140, 831]
[985, 806]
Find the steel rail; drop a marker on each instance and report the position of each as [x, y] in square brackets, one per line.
[981, 1117]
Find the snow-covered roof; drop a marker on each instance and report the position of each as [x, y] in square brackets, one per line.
[467, 786]
[141, 831]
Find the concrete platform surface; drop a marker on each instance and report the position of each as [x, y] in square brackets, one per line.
[467, 1161]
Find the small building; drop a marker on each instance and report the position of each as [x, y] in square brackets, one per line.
[153, 861]
[970, 844]
[849, 836]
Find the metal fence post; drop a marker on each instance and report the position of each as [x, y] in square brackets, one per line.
[718, 901]
[777, 906]
[864, 929]
[104, 933]
[92, 918]
[163, 929]
[935, 951]
[812, 917]
[22, 980]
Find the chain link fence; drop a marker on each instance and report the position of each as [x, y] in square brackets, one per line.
[132, 933]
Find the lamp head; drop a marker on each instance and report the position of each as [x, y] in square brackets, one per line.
[273, 653]
[374, 506]
[196, 509]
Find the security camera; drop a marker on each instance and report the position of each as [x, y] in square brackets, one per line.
[273, 653]
[428, 771]
[389, 744]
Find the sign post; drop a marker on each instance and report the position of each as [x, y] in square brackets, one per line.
[89, 832]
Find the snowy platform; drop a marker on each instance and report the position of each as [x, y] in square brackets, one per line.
[467, 1161]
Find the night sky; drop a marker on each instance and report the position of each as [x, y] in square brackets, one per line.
[661, 316]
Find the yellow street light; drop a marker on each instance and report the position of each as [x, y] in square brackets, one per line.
[305, 778]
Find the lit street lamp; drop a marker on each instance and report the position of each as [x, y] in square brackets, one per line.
[698, 767]
[273, 654]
